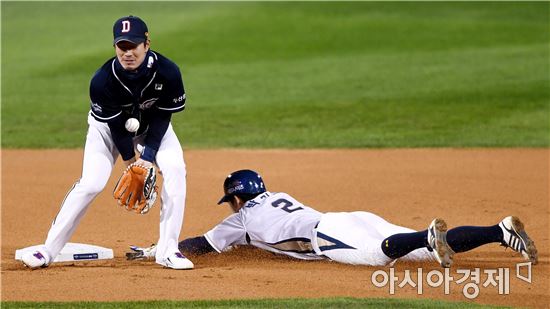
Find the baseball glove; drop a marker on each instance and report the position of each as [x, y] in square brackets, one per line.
[136, 189]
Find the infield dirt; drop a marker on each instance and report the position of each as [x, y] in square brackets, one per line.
[408, 187]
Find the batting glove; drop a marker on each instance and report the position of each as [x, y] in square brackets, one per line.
[139, 253]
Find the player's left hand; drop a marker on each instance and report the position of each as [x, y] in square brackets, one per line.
[139, 253]
[136, 189]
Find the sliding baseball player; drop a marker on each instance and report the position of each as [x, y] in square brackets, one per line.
[276, 222]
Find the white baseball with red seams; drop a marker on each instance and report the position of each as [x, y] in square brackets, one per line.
[132, 125]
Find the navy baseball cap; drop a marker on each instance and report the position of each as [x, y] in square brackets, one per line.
[131, 29]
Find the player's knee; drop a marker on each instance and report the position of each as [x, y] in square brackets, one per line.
[91, 187]
[174, 170]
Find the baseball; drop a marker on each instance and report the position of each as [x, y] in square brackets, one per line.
[132, 125]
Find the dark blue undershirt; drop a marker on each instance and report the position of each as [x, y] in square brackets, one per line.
[196, 245]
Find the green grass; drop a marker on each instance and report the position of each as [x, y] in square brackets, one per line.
[295, 75]
[264, 303]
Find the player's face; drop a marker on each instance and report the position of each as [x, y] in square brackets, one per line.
[131, 55]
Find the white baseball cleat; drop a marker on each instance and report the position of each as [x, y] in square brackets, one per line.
[34, 259]
[515, 237]
[177, 261]
[437, 240]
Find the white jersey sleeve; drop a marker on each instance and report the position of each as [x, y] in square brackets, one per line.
[230, 231]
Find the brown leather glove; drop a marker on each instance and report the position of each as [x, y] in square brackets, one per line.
[136, 189]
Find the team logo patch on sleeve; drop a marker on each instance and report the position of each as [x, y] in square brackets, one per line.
[96, 107]
[147, 103]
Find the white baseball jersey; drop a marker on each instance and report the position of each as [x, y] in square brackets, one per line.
[272, 221]
[278, 223]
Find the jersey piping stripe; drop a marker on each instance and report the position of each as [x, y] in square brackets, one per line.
[326, 242]
[105, 118]
[291, 239]
[173, 108]
[297, 245]
[149, 83]
[114, 73]
[156, 58]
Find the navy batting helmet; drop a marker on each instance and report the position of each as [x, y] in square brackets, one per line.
[242, 182]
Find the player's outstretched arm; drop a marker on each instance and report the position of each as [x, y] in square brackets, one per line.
[196, 245]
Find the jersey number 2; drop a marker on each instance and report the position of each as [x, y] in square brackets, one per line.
[286, 205]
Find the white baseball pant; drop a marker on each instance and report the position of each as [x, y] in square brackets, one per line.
[100, 155]
[364, 232]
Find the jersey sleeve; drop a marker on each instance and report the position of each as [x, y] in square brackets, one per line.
[102, 105]
[174, 98]
[229, 232]
[195, 245]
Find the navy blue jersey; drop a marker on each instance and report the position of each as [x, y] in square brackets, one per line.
[150, 94]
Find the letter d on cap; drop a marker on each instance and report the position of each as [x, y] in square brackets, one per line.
[125, 26]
